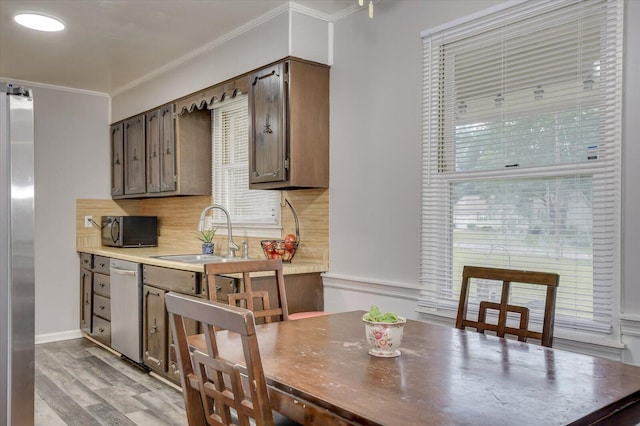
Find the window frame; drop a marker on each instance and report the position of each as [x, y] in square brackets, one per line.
[437, 175]
[267, 227]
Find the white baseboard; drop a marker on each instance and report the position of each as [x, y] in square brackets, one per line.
[55, 337]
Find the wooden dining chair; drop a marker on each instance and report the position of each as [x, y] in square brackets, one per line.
[211, 385]
[548, 281]
[259, 302]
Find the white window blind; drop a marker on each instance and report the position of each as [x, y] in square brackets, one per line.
[252, 209]
[521, 155]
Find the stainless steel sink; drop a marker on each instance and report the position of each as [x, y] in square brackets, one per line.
[200, 259]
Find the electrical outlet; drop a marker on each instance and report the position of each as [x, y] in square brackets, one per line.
[88, 221]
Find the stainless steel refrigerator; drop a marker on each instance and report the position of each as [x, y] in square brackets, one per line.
[16, 256]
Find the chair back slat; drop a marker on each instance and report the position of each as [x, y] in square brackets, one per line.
[549, 281]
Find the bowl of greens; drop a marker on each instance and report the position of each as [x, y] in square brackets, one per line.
[383, 332]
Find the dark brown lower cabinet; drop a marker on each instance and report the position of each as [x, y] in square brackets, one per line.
[95, 293]
[156, 333]
[304, 291]
[86, 291]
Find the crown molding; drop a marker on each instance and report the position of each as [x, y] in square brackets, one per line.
[32, 84]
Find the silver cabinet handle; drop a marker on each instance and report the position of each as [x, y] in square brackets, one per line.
[122, 271]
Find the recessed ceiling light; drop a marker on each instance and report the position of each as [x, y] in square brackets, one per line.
[39, 21]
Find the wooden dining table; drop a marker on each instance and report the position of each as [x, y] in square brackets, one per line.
[319, 371]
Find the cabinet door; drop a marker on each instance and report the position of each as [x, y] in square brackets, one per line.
[153, 151]
[154, 329]
[134, 147]
[85, 300]
[267, 125]
[167, 149]
[117, 160]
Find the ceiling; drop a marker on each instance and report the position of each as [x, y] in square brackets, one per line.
[108, 44]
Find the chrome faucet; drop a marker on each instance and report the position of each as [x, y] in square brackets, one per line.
[232, 246]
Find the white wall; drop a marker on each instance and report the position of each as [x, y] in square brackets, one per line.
[71, 152]
[309, 38]
[376, 103]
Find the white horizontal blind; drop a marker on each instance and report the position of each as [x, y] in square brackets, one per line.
[521, 155]
[247, 207]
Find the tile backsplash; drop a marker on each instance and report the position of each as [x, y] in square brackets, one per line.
[178, 219]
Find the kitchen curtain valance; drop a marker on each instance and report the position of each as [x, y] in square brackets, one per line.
[207, 97]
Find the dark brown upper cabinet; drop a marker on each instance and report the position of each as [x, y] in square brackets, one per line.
[164, 154]
[117, 160]
[289, 126]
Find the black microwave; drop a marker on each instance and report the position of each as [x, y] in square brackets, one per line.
[130, 231]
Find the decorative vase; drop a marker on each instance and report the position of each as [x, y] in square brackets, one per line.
[384, 338]
[207, 248]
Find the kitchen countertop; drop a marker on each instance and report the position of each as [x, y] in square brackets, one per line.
[145, 255]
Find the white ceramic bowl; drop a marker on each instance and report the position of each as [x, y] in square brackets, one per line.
[384, 338]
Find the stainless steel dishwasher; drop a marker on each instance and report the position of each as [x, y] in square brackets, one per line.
[126, 308]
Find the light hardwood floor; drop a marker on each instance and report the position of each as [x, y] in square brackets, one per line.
[80, 383]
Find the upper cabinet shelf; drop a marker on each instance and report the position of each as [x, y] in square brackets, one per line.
[289, 126]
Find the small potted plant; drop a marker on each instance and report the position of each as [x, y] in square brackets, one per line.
[206, 236]
[383, 332]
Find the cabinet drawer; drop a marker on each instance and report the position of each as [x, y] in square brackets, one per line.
[101, 330]
[101, 264]
[102, 306]
[224, 287]
[102, 284]
[185, 282]
[85, 260]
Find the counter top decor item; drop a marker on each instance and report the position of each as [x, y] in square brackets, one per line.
[383, 332]
[206, 236]
[283, 249]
